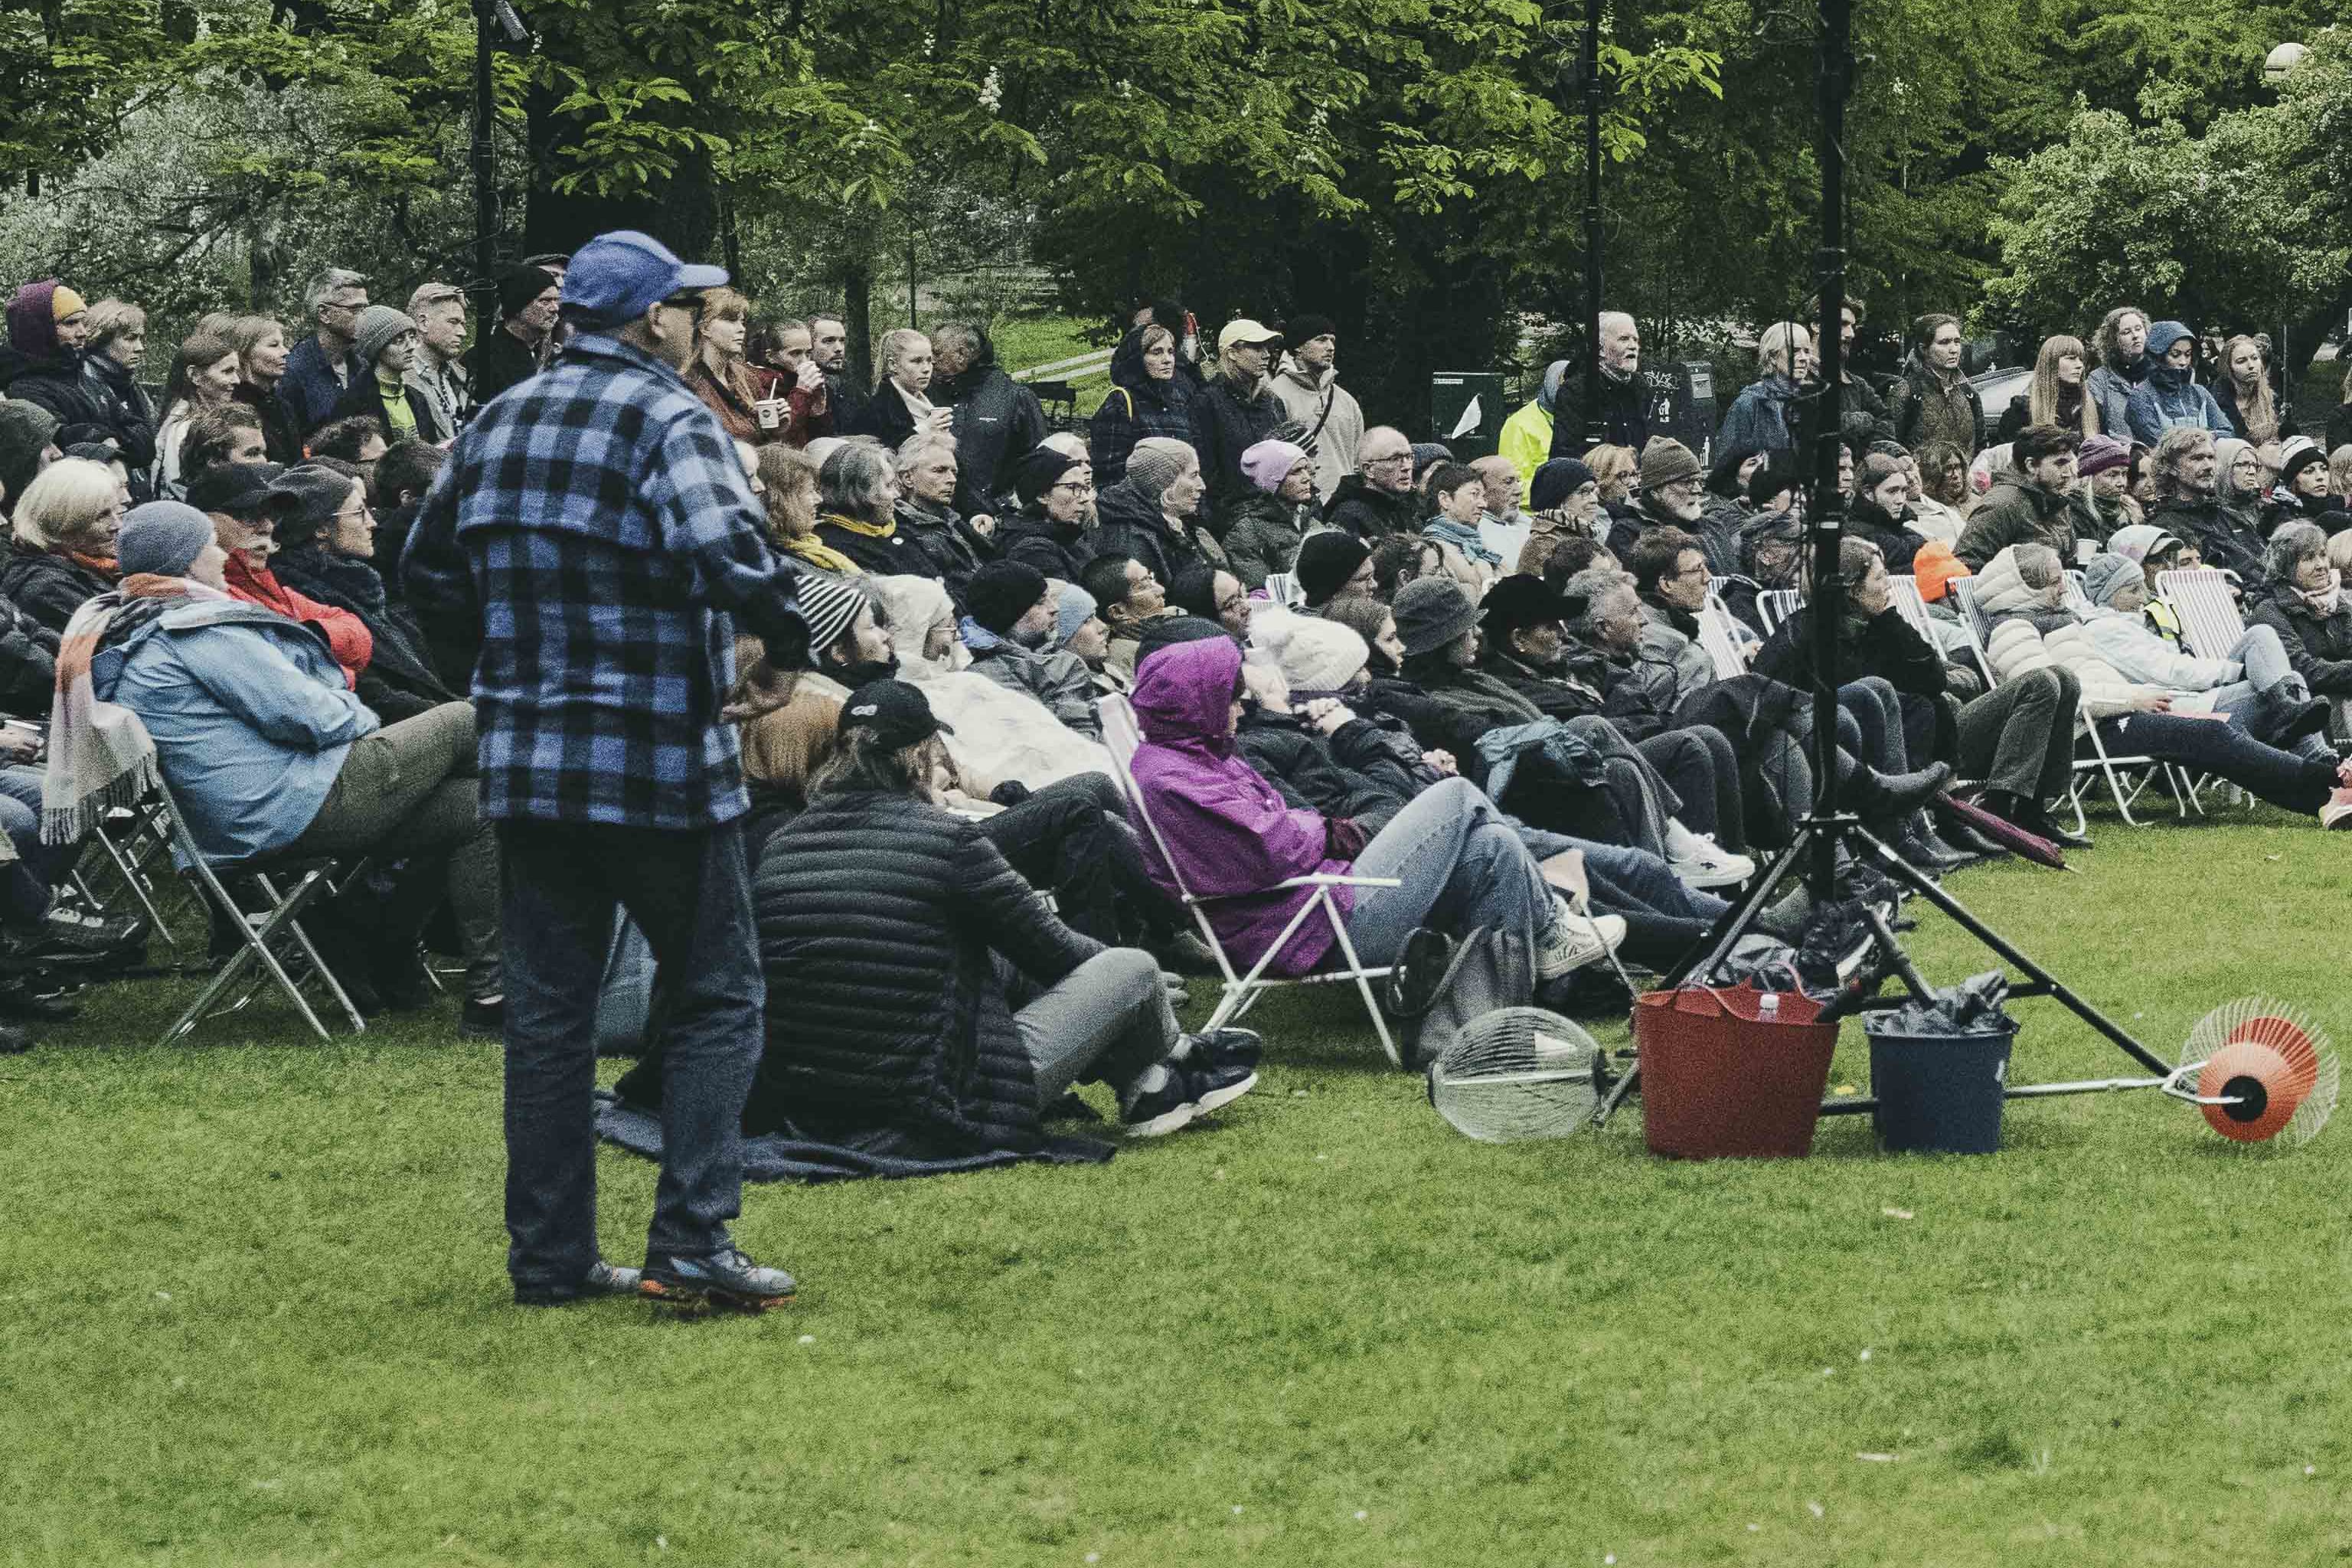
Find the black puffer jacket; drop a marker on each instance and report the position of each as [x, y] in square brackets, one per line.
[1057, 549]
[1371, 513]
[888, 1026]
[2217, 531]
[128, 413]
[47, 587]
[279, 439]
[1129, 525]
[1896, 540]
[28, 664]
[998, 422]
[2319, 648]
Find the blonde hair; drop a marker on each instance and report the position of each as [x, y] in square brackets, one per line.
[109, 320]
[2042, 396]
[1614, 467]
[2339, 471]
[895, 343]
[245, 335]
[2339, 552]
[2255, 405]
[791, 479]
[60, 508]
[1775, 347]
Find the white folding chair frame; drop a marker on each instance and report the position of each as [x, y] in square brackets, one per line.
[1122, 735]
[1721, 643]
[2210, 626]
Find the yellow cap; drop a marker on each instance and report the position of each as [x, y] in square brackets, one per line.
[66, 303]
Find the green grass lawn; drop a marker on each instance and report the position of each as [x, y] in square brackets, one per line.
[256, 1311]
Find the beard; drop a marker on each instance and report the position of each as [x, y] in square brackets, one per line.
[1032, 641]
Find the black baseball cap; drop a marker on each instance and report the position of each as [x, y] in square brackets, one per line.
[897, 713]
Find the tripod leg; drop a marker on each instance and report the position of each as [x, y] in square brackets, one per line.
[1735, 923]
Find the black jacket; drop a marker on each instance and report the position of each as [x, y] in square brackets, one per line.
[28, 664]
[1130, 525]
[365, 396]
[2217, 534]
[496, 361]
[1057, 549]
[1371, 513]
[279, 439]
[1574, 691]
[2319, 649]
[56, 382]
[1896, 538]
[1226, 424]
[1367, 771]
[2339, 426]
[129, 414]
[1135, 406]
[897, 554]
[998, 422]
[399, 681]
[886, 419]
[1624, 415]
[1887, 646]
[1448, 708]
[952, 549]
[890, 1027]
[50, 588]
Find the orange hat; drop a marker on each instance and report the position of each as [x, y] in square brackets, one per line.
[64, 303]
[1935, 566]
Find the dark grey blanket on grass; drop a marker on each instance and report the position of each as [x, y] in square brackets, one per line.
[776, 1157]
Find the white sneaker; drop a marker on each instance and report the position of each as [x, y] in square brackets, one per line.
[1701, 863]
[1577, 941]
[2338, 812]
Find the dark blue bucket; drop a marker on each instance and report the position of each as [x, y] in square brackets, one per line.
[1941, 1095]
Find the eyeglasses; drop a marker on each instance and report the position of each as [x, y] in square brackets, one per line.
[1078, 487]
[363, 510]
[1696, 570]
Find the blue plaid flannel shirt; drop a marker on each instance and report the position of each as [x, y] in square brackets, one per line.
[596, 522]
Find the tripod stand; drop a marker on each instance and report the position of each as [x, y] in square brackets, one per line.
[1828, 829]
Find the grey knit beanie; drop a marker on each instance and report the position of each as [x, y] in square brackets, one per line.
[2105, 574]
[1432, 612]
[161, 538]
[377, 326]
[1154, 463]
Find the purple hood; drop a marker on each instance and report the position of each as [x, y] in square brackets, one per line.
[32, 330]
[1230, 834]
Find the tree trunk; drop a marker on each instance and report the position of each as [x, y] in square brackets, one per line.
[857, 315]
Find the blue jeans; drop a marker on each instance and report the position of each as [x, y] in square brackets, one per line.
[25, 885]
[1460, 864]
[1663, 918]
[690, 894]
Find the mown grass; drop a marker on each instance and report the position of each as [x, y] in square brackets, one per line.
[255, 1311]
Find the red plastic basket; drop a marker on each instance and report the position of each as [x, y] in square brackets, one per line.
[1718, 1082]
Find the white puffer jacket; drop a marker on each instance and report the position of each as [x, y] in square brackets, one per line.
[2016, 648]
[2126, 642]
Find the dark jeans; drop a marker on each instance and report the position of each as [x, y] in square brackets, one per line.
[2217, 745]
[25, 882]
[690, 894]
[1065, 839]
[1698, 764]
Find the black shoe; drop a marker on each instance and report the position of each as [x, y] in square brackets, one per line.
[1960, 835]
[483, 1020]
[726, 1278]
[1924, 851]
[19, 1000]
[1216, 1086]
[73, 930]
[402, 983]
[2032, 817]
[604, 1282]
[1185, 953]
[1226, 1048]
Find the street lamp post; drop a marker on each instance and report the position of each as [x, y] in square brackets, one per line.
[1593, 427]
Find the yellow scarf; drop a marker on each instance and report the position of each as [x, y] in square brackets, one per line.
[824, 557]
[863, 529]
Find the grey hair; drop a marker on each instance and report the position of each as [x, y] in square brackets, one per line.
[1612, 320]
[325, 281]
[2291, 546]
[914, 448]
[2172, 449]
[2038, 565]
[963, 334]
[1595, 585]
[428, 295]
[851, 480]
[1775, 344]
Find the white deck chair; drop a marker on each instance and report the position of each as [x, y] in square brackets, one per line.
[1774, 605]
[1283, 588]
[2101, 762]
[2211, 626]
[1123, 735]
[1720, 640]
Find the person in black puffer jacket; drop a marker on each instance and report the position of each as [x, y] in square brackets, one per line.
[1881, 513]
[117, 341]
[1233, 413]
[1378, 500]
[925, 1002]
[1147, 397]
[1055, 530]
[1153, 514]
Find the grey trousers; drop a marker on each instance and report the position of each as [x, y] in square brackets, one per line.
[408, 792]
[1110, 1015]
[2019, 736]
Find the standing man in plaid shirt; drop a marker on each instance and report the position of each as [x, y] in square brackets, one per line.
[594, 522]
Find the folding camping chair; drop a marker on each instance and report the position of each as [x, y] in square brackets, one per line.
[2210, 626]
[1283, 588]
[1122, 735]
[1720, 640]
[2100, 762]
[275, 947]
[1774, 605]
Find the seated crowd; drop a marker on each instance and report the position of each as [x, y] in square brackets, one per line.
[1230, 638]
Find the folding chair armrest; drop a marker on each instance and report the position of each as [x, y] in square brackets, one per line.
[1328, 879]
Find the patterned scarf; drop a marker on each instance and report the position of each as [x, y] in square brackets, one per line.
[99, 758]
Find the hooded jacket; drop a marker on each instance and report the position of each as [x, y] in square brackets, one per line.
[1059, 681]
[1931, 406]
[35, 368]
[881, 918]
[2033, 629]
[1896, 540]
[998, 422]
[2169, 396]
[1231, 835]
[1371, 513]
[26, 429]
[1137, 407]
[1328, 413]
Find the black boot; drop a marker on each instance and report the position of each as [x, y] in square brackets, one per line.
[2032, 817]
[1871, 793]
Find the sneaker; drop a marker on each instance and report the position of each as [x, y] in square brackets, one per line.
[1168, 1104]
[723, 1279]
[2338, 812]
[1218, 1085]
[1226, 1048]
[1704, 864]
[485, 1019]
[1576, 941]
[78, 932]
[602, 1279]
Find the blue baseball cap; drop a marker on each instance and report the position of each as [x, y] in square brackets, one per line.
[617, 277]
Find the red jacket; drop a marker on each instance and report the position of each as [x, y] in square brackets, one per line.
[347, 636]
